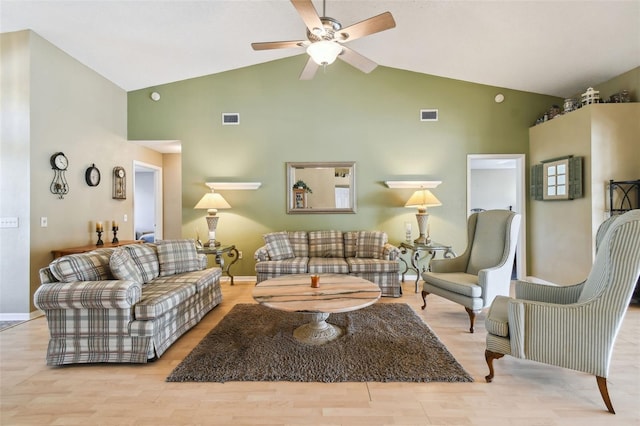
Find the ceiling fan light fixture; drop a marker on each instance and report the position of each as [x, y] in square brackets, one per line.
[324, 52]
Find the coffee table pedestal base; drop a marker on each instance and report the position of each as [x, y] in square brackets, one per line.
[317, 331]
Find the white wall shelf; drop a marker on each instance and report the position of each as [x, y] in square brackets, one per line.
[412, 184]
[226, 186]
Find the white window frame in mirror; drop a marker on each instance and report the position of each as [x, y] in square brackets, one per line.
[292, 179]
[556, 180]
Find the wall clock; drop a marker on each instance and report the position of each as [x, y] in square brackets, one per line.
[92, 176]
[119, 183]
[59, 164]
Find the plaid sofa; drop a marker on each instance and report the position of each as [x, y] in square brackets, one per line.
[365, 254]
[125, 304]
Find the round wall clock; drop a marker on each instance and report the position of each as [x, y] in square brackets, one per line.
[92, 175]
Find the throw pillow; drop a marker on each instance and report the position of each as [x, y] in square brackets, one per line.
[371, 244]
[123, 267]
[145, 256]
[91, 266]
[177, 257]
[326, 244]
[279, 246]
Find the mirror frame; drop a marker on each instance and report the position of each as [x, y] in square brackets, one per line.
[291, 179]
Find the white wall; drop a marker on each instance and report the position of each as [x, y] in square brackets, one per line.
[14, 173]
[144, 206]
[54, 103]
[493, 189]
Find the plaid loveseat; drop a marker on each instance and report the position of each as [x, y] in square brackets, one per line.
[364, 254]
[125, 304]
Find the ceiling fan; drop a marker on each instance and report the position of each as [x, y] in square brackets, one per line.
[326, 38]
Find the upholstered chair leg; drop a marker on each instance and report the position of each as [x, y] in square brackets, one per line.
[602, 386]
[472, 318]
[489, 356]
[424, 297]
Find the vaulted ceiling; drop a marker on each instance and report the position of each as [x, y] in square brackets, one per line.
[550, 47]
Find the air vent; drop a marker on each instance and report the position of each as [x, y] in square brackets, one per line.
[428, 115]
[230, 118]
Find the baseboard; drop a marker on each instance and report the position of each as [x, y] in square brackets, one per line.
[238, 278]
[21, 317]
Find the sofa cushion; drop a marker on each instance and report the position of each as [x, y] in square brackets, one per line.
[361, 266]
[300, 243]
[91, 266]
[326, 244]
[328, 265]
[350, 243]
[278, 246]
[123, 267]
[201, 279]
[371, 244]
[145, 256]
[161, 297]
[297, 265]
[177, 256]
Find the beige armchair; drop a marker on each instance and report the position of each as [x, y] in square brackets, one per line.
[574, 326]
[483, 271]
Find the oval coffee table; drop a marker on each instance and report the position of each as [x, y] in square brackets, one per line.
[337, 293]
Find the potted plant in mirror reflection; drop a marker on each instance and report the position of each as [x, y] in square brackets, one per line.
[301, 185]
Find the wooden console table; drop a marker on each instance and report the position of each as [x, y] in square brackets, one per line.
[83, 249]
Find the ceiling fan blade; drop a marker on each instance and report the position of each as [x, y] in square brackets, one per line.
[378, 23]
[356, 60]
[276, 44]
[308, 13]
[309, 70]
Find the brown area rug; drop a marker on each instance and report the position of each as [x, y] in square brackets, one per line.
[385, 342]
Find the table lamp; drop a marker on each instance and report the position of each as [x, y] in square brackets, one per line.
[212, 201]
[421, 199]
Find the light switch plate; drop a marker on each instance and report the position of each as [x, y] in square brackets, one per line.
[8, 222]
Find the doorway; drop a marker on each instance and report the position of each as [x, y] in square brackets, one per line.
[147, 201]
[497, 181]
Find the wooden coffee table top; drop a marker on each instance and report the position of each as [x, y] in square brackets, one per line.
[337, 293]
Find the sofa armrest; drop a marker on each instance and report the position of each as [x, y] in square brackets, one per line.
[261, 254]
[548, 292]
[111, 294]
[390, 252]
[202, 258]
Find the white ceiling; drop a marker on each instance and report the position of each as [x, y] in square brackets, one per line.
[550, 47]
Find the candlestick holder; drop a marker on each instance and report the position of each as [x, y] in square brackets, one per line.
[115, 235]
[99, 242]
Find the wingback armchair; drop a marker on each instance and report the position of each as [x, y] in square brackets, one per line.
[573, 326]
[483, 271]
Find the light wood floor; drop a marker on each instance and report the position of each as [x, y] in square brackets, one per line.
[523, 393]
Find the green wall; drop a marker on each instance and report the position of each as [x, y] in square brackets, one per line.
[341, 115]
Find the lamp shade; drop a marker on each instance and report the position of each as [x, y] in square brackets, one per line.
[421, 199]
[212, 201]
[324, 52]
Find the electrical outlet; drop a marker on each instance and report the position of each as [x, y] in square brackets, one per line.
[125, 218]
[44, 222]
[239, 254]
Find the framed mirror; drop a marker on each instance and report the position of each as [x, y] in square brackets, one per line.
[322, 187]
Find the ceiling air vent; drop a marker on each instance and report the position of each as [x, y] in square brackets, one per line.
[428, 115]
[230, 118]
